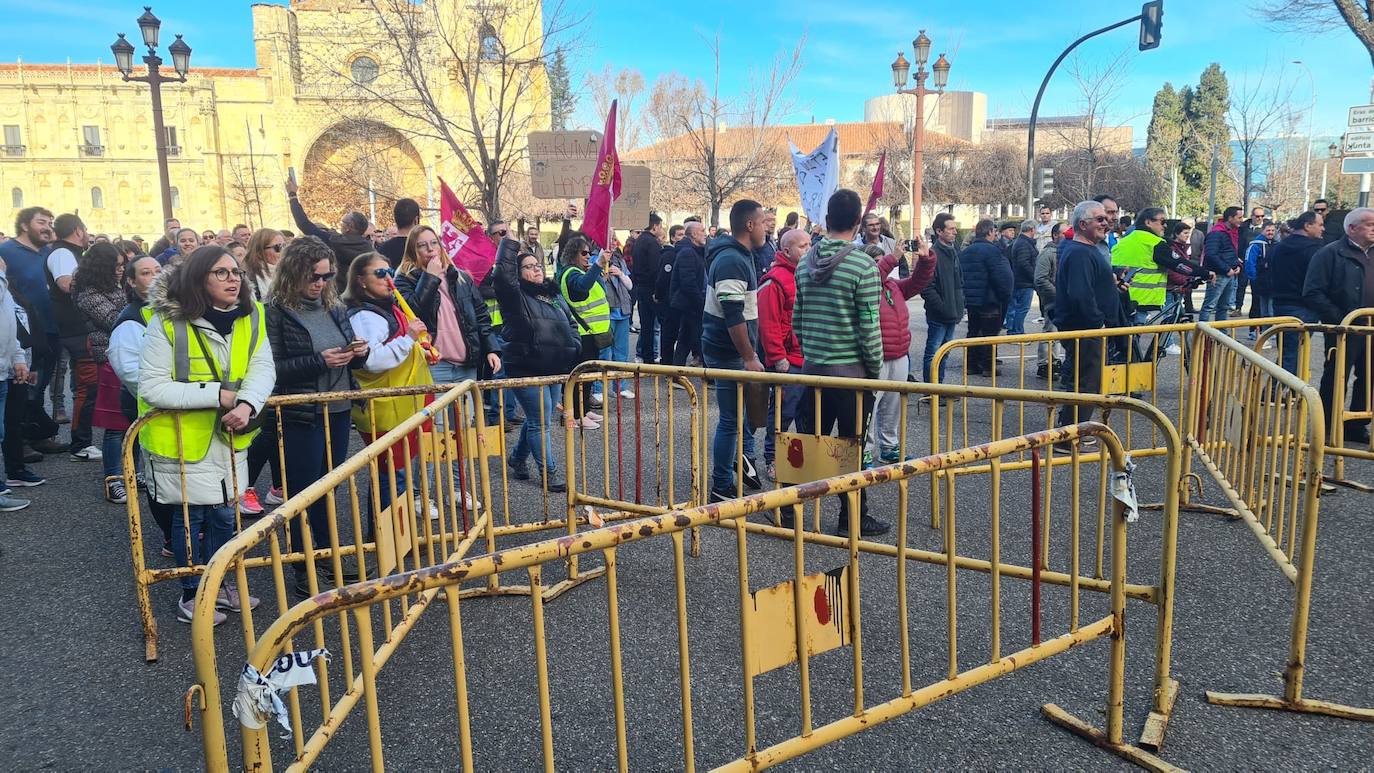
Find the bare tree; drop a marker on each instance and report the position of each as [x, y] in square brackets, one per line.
[244, 188]
[721, 146]
[471, 77]
[1090, 150]
[627, 85]
[1323, 16]
[1261, 107]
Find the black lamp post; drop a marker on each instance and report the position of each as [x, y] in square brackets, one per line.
[123, 50]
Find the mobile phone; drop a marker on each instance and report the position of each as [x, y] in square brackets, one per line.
[291, 173]
[910, 245]
[357, 344]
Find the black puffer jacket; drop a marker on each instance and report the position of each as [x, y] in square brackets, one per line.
[1334, 285]
[540, 337]
[299, 366]
[421, 291]
[1022, 255]
[1288, 262]
[987, 275]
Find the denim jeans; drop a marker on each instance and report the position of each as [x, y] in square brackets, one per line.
[306, 462]
[619, 350]
[445, 372]
[112, 447]
[1292, 342]
[1217, 302]
[791, 398]
[493, 398]
[534, 437]
[206, 528]
[728, 427]
[1015, 322]
[1265, 304]
[937, 334]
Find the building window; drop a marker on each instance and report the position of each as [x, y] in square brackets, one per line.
[490, 50]
[364, 70]
[17, 198]
[176, 198]
[97, 198]
[90, 141]
[173, 149]
[13, 145]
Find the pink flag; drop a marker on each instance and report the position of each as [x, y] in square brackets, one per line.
[463, 239]
[877, 184]
[605, 187]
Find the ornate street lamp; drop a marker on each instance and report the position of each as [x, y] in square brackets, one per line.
[901, 69]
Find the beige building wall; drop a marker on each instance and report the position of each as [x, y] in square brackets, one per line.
[960, 114]
[236, 130]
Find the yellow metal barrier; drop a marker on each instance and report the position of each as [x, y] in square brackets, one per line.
[797, 621]
[1259, 431]
[1356, 328]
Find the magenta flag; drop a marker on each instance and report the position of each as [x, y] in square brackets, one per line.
[605, 187]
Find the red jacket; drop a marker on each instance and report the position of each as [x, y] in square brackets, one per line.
[893, 318]
[776, 295]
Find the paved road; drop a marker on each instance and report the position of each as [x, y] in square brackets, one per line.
[78, 695]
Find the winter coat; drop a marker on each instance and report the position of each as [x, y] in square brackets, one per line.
[1288, 262]
[1085, 289]
[663, 283]
[687, 288]
[101, 309]
[346, 247]
[731, 297]
[1221, 250]
[987, 275]
[1022, 255]
[299, 366]
[777, 297]
[1334, 285]
[1257, 265]
[1045, 265]
[210, 481]
[11, 353]
[763, 257]
[644, 259]
[540, 336]
[894, 319]
[944, 295]
[421, 291]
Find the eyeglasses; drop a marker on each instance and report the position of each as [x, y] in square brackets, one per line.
[428, 243]
[502, 233]
[585, 252]
[276, 247]
[529, 266]
[1102, 219]
[383, 272]
[223, 274]
[321, 277]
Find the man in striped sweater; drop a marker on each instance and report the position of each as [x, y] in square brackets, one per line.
[836, 319]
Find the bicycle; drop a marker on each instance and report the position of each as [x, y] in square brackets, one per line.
[1174, 312]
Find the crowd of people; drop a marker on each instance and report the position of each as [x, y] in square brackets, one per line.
[212, 324]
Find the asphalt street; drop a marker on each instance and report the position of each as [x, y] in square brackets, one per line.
[79, 696]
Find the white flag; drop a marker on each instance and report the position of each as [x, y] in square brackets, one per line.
[818, 175]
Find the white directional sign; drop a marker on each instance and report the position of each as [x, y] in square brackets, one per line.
[1357, 165]
[1359, 142]
[1362, 117]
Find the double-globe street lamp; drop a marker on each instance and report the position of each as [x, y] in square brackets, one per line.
[901, 68]
[123, 50]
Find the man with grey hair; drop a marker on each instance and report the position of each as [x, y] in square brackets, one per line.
[1021, 254]
[350, 241]
[987, 292]
[1086, 298]
[1339, 280]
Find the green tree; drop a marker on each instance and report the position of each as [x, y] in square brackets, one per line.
[1205, 138]
[1164, 141]
[562, 99]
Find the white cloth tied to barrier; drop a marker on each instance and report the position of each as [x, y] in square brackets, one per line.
[259, 696]
[1123, 490]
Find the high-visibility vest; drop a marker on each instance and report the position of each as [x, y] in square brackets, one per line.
[594, 310]
[494, 309]
[1137, 250]
[191, 363]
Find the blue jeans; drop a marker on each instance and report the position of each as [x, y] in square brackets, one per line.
[1217, 302]
[727, 428]
[491, 398]
[445, 372]
[307, 462]
[619, 350]
[1015, 322]
[209, 526]
[791, 398]
[937, 334]
[534, 435]
[112, 447]
[1292, 342]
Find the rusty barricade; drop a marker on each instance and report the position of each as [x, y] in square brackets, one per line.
[796, 614]
[1350, 353]
[1258, 430]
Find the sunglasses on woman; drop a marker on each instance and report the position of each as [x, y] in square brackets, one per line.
[321, 277]
[276, 247]
[382, 273]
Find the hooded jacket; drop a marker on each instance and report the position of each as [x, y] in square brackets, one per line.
[1257, 265]
[944, 295]
[687, 283]
[1288, 262]
[777, 299]
[540, 336]
[836, 311]
[894, 319]
[210, 481]
[987, 274]
[1334, 285]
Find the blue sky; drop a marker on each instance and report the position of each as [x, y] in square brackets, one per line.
[1003, 51]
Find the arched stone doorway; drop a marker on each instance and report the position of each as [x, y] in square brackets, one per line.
[358, 165]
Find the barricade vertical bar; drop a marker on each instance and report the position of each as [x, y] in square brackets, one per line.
[368, 657]
[1035, 543]
[996, 547]
[798, 604]
[617, 673]
[571, 392]
[903, 517]
[745, 636]
[1116, 681]
[683, 660]
[1075, 510]
[855, 627]
[541, 665]
[460, 679]
[950, 574]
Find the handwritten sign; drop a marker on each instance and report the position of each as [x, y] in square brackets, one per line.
[818, 175]
[562, 163]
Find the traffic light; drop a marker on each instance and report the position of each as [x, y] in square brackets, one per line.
[1151, 20]
[1044, 182]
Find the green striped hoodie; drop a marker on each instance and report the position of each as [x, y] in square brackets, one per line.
[836, 312]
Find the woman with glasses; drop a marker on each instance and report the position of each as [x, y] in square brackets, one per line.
[205, 359]
[579, 280]
[315, 349]
[447, 300]
[541, 340]
[99, 294]
[393, 360]
[264, 250]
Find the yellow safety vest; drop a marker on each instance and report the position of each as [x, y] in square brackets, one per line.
[1137, 250]
[191, 364]
[594, 310]
[494, 309]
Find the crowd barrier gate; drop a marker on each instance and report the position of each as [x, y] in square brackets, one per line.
[764, 643]
[1258, 430]
[1359, 326]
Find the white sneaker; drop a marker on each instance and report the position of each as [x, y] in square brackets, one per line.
[186, 609]
[229, 599]
[594, 416]
[1173, 349]
[597, 401]
[588, 423]
[273, 497]
[627, 394]
[88, 454]
[1268, 344]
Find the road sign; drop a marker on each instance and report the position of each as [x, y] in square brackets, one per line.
[561, 163]
[1357, 165]
[1359, 142]
[1362, 117]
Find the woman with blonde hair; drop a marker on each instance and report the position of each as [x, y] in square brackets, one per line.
[264, 250]
[446, 298]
